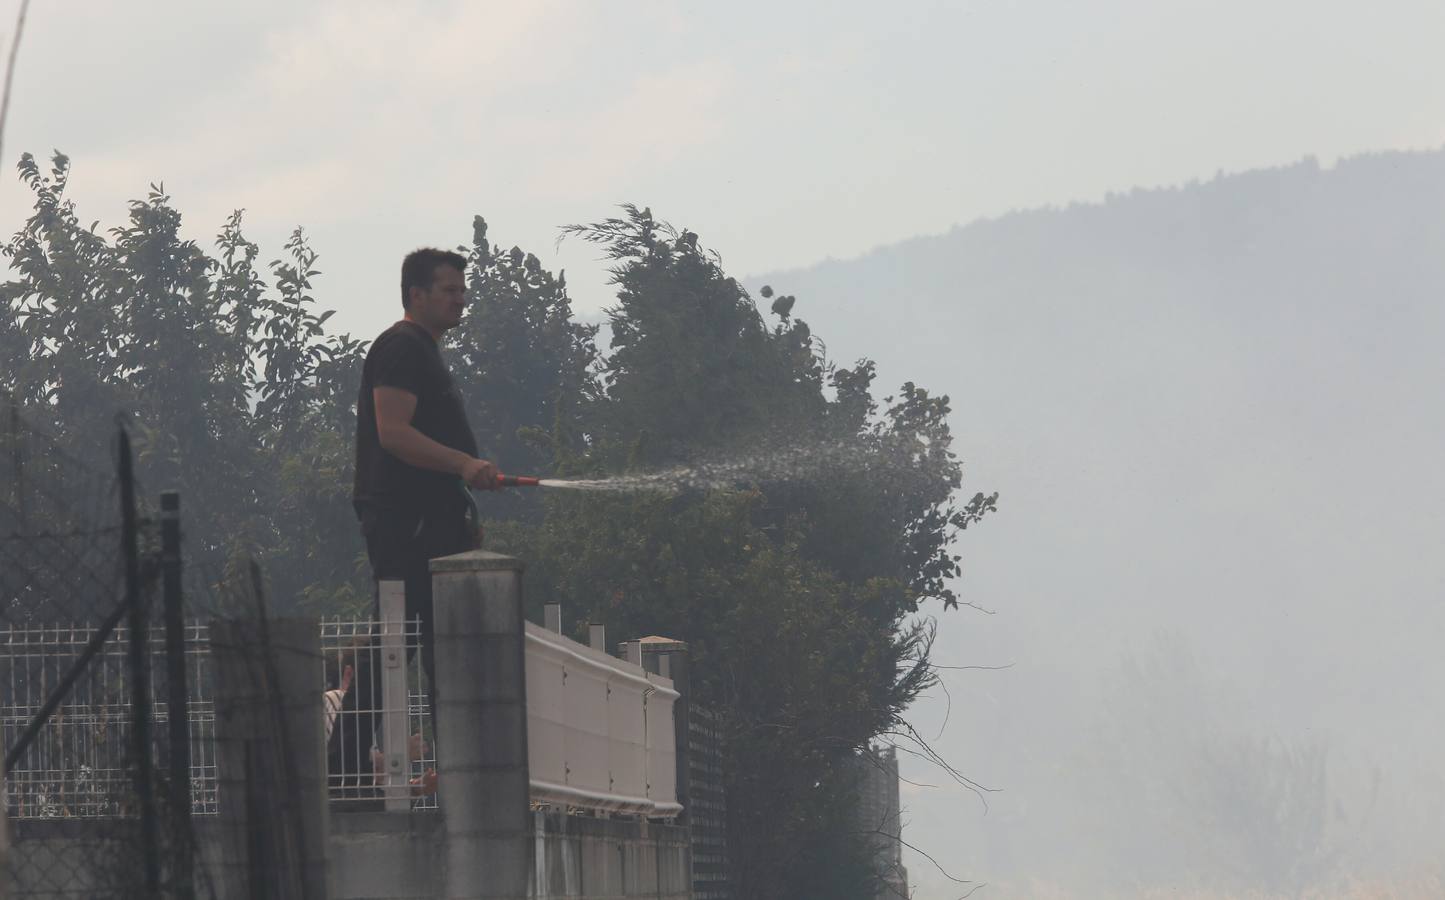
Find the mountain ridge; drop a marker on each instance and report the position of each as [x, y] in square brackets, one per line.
[1306, 167]
[1211, 410]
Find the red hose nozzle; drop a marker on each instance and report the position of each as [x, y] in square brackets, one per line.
[515, 481]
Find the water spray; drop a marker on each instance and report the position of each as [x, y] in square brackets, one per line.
[612, 484]
[773, 461]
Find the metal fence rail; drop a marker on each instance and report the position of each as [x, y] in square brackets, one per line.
[602, 733]
[78, 723]
[380, 744]
[78, 765]
[707, 807]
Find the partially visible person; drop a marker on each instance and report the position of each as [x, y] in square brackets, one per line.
[333, 699]
[347, 668]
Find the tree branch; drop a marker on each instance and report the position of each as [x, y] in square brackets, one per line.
[935, 863]
[926, 752]
[10, 72]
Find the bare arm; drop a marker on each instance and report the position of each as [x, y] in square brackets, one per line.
[394, 409]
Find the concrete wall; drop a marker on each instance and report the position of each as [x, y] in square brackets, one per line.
[399, 855]
[601, 859]
[392, 855]
[378, 855]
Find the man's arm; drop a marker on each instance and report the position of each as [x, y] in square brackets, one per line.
[394, 409]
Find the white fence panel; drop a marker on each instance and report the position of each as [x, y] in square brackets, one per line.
[661, 753]
[612, 721]
[546, 720]
[586, 725]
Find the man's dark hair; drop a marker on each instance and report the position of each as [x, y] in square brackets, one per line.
[419, 269]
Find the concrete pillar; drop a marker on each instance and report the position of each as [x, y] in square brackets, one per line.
[481, 728]
[271, 759]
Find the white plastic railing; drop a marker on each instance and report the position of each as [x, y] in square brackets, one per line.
[599, 729]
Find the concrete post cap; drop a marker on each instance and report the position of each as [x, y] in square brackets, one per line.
[655, 643]
[476, 561]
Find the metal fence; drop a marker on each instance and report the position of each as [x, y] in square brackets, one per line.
[78, 763]
[707, 806]
[79, 544]
[603, 724]
[380, 744]
[109, 724]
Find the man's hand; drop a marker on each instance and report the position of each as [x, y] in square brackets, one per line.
[480, 474]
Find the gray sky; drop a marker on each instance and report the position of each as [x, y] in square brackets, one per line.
[783, 133]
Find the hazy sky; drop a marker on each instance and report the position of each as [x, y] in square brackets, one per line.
[783, 132]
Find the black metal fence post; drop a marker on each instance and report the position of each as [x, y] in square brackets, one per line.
[17, 460]
[177, 699]
[139, 671]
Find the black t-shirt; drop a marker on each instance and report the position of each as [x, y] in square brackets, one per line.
[406, 357]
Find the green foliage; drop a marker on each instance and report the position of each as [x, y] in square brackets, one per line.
[692, 363]
[792, 657]
[237, 396]
[795, 592]
[523, 364]
[696, 373]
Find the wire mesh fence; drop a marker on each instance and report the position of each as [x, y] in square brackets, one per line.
[707, 807]
[380, 744]
[60, 527]
[77, 765]
[80, 570]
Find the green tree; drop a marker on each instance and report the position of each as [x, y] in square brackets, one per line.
[305, 412]
[793, 576]
[237, 395]
[695, 374]
[59, 311]
[692, 364]
[792, 657]
[523, 363]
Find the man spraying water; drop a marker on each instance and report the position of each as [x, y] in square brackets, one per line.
[414, 453]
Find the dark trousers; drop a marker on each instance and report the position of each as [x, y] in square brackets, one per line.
[400, 548]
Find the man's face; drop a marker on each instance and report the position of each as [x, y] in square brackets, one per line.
[440, 307]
